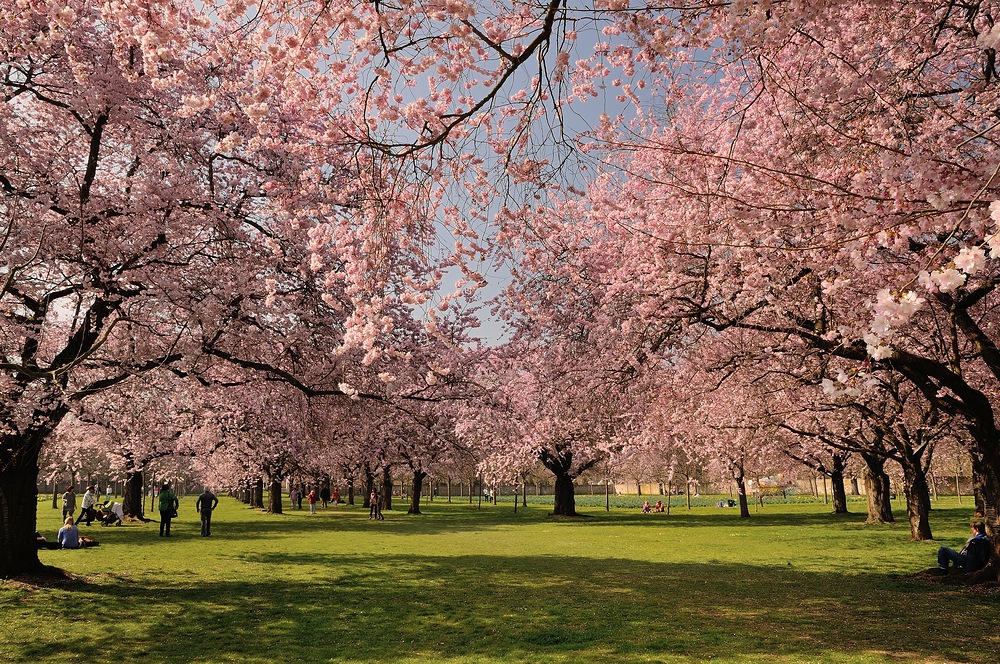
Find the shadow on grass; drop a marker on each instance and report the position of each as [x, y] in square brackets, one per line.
[538, 608]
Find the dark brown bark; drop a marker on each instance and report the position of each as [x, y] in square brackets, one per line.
[132, 495]
[387, 488]
[257, 494]
[877, 490]
[564, 497]
[416, 488]
[918, 501]
[741, 492]
[837, 483]
[274, 497]
[366, 497]
[18, 504]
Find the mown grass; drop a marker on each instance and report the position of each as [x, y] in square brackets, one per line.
[458, 584]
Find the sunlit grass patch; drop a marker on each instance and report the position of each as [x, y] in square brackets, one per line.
[460, 584]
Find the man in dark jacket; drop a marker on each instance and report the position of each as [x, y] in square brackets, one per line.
[973, 556]
[205, 504]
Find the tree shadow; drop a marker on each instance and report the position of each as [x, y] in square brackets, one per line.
[520, 609]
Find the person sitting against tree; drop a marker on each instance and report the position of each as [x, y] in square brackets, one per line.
[69, 535]
[658, 507]
[645, 508]
[972, 556]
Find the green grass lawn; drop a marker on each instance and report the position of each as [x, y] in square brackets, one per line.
[457, 584]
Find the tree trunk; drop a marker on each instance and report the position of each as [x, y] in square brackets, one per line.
[274, 497]
[132, 494]
[877, 490]
[257, 494]
[350, 490]
[18, 505]
[564, 498]
[741, 493]
[387, 488]
[918, 501]
[366, 498]
[416, 490]
[837, 485]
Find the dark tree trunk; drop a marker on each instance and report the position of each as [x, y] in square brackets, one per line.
[366, 498]
[877, 490]
[979, 484]
[918, 500]
[387, 488]
[837, 484]
[741, 493]
[564, 498]
[416, 490]
[18, 505]
[132, 498]
[257, 494]
[274, 497]
[560, 463]
[350, 490]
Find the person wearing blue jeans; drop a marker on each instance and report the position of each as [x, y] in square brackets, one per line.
[972, 556]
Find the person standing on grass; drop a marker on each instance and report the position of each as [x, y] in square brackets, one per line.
[69, 503]
[87, 506]
[312, 501]
[335, 498]
[168, 508]
[206, 502]
[324, 495]
[293, 496]
[375, 512]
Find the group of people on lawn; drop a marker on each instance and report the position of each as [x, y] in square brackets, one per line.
[111, 513]
[298, 493]
[658, 507]
[971, 557]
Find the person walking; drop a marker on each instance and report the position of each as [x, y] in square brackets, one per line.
[87, 506]
[205, 504]
[335, 498]
[168, 508]
[69, 503]
[293, 496]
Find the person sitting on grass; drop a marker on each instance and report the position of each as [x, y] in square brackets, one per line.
[69, 535]
[43, 543]
[658, 507]
[972, 556]
[646, 508]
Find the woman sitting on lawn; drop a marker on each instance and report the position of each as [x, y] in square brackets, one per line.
[69, 535]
